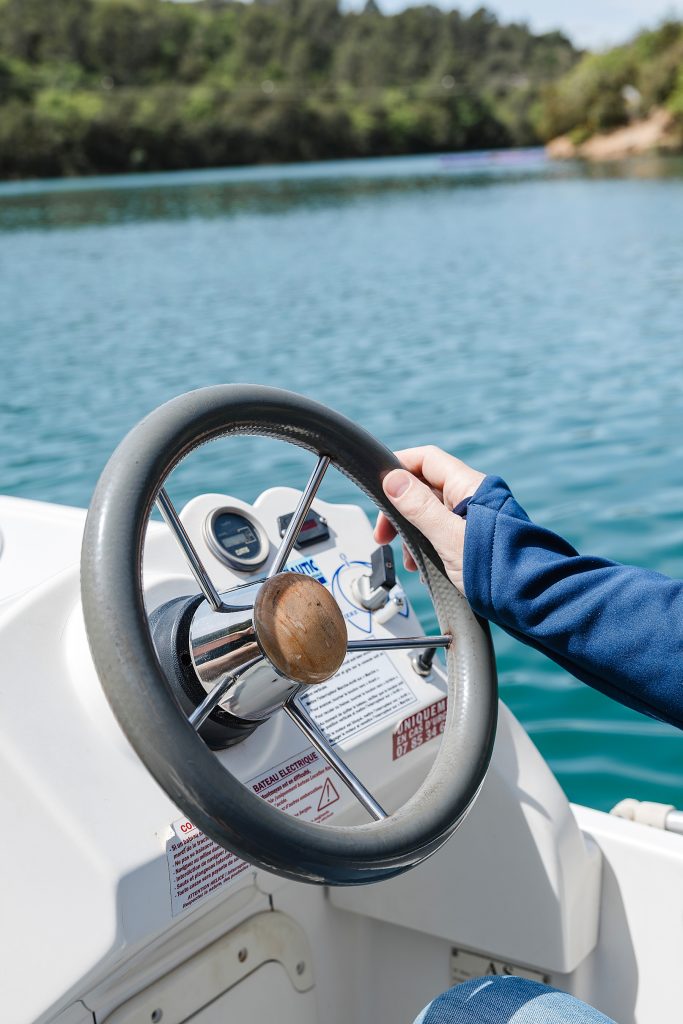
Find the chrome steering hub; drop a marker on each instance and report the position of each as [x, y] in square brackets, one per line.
[291, 634]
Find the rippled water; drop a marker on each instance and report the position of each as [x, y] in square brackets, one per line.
[526, 316]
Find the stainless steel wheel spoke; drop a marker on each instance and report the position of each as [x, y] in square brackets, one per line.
[316, 738]
[215, 696]
[170, 517]
[299, 516]
[399, 643]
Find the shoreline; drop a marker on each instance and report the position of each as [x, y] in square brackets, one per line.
[658, 133]
[351, 167]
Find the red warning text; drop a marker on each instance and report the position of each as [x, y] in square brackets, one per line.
[419, 727]
[300, 787]
[197, 866]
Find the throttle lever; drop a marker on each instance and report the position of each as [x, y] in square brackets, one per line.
[372, 590]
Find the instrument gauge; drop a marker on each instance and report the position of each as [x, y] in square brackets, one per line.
[237, 538]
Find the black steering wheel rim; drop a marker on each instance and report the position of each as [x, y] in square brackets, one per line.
[141, 697]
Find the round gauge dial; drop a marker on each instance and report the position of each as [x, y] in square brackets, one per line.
[237, 539]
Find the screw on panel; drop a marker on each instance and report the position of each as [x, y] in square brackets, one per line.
[300, 967]
[242, 955]
[156, 1016]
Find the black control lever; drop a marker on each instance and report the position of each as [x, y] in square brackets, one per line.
[372, 590]
[383, 568]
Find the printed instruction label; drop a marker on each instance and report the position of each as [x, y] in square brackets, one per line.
[302, 785]
[197, 866]
[367, 689]
[418, 728]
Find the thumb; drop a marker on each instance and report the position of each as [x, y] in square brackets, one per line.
[421, 507]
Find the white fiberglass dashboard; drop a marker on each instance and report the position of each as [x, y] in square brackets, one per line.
[109, 887]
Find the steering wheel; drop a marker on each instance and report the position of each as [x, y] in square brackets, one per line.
[158, 727]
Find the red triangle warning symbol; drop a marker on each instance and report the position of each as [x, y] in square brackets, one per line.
[328, 796]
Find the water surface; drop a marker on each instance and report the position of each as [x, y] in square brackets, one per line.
[525, 316]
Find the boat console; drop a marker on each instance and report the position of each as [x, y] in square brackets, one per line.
[240, 782]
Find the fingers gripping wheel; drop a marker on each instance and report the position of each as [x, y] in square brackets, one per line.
[153, 720]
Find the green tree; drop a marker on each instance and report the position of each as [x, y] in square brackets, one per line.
[92, 86]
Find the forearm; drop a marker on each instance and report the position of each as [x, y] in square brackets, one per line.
[617, 627]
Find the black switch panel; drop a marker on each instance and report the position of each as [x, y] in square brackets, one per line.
[313, 531]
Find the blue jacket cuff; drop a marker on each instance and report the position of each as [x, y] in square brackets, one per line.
[482, 511]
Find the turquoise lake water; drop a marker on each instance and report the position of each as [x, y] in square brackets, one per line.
[526, 316]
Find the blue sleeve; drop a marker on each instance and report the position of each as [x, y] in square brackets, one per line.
[616, 627]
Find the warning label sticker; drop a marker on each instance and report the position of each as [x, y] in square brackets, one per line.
[300, 786]
[329, 795]
[303, 785]
[367, 689]
[196, 865]
[418, 728]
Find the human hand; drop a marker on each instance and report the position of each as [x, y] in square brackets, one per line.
[425, 493]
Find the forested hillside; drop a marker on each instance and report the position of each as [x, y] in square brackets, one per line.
[606, 90]
[96, 86]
